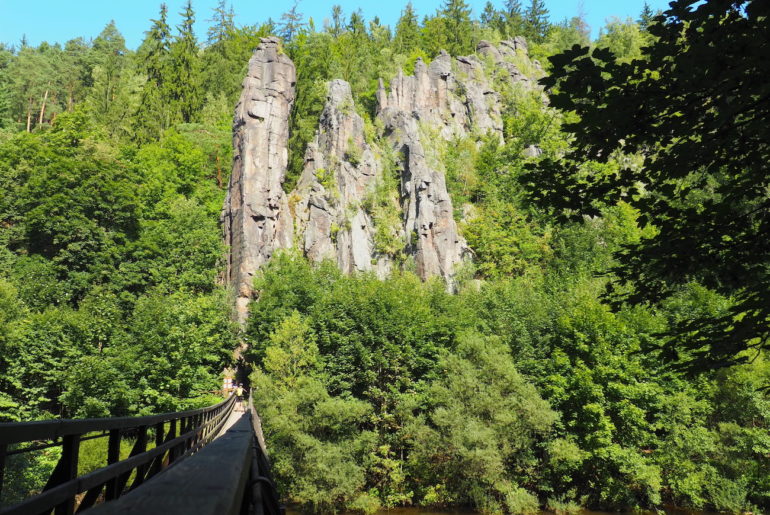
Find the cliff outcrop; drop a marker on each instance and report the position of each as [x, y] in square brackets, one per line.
[368, 203]
[255, 218]
[339, 174]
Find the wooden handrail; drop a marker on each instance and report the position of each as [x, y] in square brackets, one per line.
[195, 429]
[229, 477]
[16, 432]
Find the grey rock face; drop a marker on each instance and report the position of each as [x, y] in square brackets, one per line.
[330, 215]
[451, 95]
[340, 168]
[456, 97]
[504, 54]
[255, 217]
[429, 226]
[430, 97]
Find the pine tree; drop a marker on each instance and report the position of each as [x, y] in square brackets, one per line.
[337, 20]
[291, 23]
[514, 18]
[75, 71]
[155, 49]
[153, 115]
[491, 17]
[108, 93]
[356, 24]
[536, 21]
[459, 29]
[407, 31]
[646, 16]
[222, 25]
[5, 102]
[185, 76]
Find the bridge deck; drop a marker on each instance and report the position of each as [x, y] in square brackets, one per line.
[238, 411]
[212, 482]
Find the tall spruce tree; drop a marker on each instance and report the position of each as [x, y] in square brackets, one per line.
[337, 21]
[222, 25]
[492, 18]
[108, 54]
[646, 16]
[185, 77]
[153, 115]
[356, 25]
[536, 21]
[459, 28]
[291, 23]
[5, 102]
[514, 18]
[407, 31]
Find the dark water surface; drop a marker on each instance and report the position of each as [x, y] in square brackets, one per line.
[669, 510]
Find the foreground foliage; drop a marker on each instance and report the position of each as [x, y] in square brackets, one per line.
[527, 391]
[700, 126]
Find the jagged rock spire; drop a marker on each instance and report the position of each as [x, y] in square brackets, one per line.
[327, 216]
[255, 217]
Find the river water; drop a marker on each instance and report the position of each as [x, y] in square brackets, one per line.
[425, 511]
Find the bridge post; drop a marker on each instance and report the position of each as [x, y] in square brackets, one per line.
[139, 448]
[3, 451]
[113, 456]
[171, 436]
[66, 470]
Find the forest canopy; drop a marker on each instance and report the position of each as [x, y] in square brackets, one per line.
[638, 224]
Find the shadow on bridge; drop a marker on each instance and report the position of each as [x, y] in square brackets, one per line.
[217, 464]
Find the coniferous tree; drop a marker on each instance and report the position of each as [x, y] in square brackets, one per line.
[407, 31]
[336, 26]
[580, 24]
[5, 102]
[152, 117]
[514, 18]
[107, 54]
[291, 23]
[185, 83]
[492, 18]
[646, 16]
[536, 20]
[222, 25]
[456, 15]
[356, 24]
[75, 71]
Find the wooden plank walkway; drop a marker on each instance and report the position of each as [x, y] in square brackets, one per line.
[211, 482]
[238, 411]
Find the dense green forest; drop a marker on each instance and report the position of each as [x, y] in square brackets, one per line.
[605, 347]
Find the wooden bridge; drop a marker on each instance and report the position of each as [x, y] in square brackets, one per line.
[206, 461]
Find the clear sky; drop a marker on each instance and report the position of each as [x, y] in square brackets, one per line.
[61, 20]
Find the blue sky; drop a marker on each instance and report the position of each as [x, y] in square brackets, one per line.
[60, 20]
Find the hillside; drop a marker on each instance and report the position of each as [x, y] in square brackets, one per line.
[468, 262]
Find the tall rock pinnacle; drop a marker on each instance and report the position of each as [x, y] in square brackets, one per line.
[255, 217]
[339, 174]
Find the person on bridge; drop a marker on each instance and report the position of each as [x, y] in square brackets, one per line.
[239, 394]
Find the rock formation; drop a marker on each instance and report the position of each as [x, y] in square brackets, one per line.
[256, 218]
[452, 95]
[329, 215]
[340, 167]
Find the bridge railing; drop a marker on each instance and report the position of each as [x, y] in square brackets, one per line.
[176, 435]
[264, 494]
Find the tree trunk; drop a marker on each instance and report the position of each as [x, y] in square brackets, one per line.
[29, 119]
[42, 108]
[219, 173]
